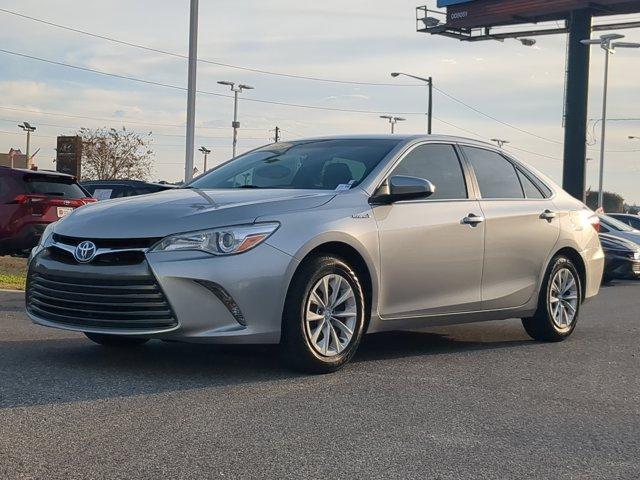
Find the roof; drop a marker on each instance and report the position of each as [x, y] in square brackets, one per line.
[400, 137]
[48, 173]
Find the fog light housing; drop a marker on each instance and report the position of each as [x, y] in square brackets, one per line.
[226, 299]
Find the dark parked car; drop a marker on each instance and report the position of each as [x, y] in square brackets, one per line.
[622, 257]
[106, 189]
[29, 201]
[632, 220]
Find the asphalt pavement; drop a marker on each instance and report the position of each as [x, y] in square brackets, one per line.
[472, 401]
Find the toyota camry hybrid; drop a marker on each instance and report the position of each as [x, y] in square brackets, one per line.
[314, 243]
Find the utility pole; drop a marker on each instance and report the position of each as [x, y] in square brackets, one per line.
[276, 137]
[191, 91]
[27, 128]
[236, 89]
[205, 151]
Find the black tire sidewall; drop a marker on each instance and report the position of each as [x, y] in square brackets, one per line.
[298, 349]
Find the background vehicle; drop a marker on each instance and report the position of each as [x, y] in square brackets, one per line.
[313, 243]
[632, 220]
[618, 229]
[107, 189]
[29, 201]
[622, 257]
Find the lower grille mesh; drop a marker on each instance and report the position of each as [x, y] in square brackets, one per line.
[135, 303]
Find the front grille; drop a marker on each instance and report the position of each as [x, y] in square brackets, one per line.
[115, 243]
[136, 303]
[636, 268]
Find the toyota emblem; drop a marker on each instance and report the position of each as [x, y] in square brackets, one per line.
[85, 251]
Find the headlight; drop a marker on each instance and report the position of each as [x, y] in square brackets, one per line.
[219, 241]
[46, 237]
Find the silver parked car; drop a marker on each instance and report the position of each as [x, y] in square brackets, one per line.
[314, 243]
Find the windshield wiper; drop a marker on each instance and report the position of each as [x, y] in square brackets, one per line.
[248, 186]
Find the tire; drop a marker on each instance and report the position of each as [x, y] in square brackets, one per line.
[549, 324]
[115, 340]
[305, 318]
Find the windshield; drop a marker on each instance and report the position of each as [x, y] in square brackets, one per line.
[614, 224]
[314, 164]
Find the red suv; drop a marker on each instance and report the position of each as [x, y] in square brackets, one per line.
[29, 201]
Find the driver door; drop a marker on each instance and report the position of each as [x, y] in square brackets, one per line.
[431, 255]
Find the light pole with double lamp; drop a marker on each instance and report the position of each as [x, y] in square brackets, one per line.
[236, 89]
[205, 151]
[429, 82]
[609, 46]
[393, 120]
[27, 127]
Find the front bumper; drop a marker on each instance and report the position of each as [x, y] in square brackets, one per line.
[25, 239]
[256, 281]
[617, 266]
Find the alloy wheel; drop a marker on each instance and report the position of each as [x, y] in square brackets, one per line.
[330, 315]
[563, 298]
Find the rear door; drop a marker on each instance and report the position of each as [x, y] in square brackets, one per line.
[431, 261]
[520, 228]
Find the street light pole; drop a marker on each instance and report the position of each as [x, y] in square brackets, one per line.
[191, 91]
[429, 82]
[393, 120]
[607, 43]
[236, 89]
[500, 142]
[205, 151]
[27, 127]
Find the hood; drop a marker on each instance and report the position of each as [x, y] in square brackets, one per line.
[633, 236]
[610, 242]
[183, 210]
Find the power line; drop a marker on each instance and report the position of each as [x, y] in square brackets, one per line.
[203, 92]
[211, 62]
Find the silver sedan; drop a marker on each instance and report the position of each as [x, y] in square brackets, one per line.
[314, 243]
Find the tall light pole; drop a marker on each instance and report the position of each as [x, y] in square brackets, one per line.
[191, 91]
[500, 142]
[429, 81]
[609, 46]
[27, 128]
[205, 151]
[393, 120]
[236, 89]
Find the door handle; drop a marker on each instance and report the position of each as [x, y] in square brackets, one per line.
[472, 220]
[548, 215]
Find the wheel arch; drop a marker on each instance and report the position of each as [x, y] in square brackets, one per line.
[359, 261]
[575, 257]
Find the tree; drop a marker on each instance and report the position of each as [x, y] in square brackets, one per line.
[612, 202]
[109, 154]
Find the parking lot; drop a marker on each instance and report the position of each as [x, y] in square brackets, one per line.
[474, 401]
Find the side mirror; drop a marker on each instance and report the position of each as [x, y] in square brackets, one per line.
[403, 188]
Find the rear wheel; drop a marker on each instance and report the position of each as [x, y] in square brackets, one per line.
[558, 305]
[115, 340]
[324, 316]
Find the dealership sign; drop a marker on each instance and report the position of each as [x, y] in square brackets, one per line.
[488, 13]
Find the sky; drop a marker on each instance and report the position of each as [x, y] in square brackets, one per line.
[355, 41]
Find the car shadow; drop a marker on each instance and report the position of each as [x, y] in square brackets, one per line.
[40, 372]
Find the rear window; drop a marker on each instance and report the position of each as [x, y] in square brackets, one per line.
[54, 188]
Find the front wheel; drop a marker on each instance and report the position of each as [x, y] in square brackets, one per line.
[324, 316]
[115, 340]
[558, 305]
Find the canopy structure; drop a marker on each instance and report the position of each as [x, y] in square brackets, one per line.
[478, 20]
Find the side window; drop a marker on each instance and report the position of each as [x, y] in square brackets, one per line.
[530, 190]
[440, 165]
[497, 177]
